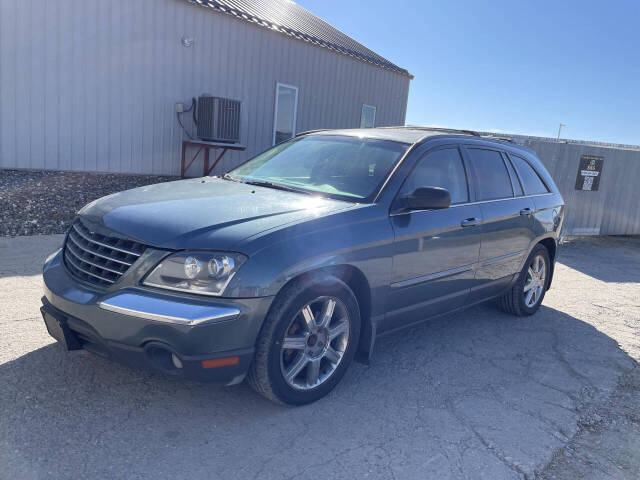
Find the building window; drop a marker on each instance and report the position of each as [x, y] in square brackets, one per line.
[368, 116]
[284, 120]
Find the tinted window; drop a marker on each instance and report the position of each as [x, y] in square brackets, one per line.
[442, 168]
[529, 178]
[515, 183]
[493, 181]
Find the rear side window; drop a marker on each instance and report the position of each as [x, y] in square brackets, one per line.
[515, 183]
[530, 180]
[492, 178]
[442, 168]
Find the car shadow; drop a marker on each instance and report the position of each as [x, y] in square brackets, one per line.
[606, 258]
[477, 394]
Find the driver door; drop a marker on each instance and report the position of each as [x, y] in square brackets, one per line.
[435, 251]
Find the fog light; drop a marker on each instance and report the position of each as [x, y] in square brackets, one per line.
[176, 361]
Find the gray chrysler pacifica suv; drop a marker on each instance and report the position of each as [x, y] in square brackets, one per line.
[287, 268]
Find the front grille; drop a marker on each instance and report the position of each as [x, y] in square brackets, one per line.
[98, 259]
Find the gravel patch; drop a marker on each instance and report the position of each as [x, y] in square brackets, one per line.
[45, 202]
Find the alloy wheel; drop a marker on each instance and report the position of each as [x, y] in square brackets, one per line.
[535, 282]
[314, 343]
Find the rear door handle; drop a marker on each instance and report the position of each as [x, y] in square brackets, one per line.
[526, 211]
[470, 222]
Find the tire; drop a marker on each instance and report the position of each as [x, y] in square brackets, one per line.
[515, 301]
[288, 322]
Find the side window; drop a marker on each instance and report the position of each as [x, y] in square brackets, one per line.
[528, 176]
[442, 168]
[493, 181]
[515, 183]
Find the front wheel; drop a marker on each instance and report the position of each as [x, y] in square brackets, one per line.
[308, 340]
[526, 295]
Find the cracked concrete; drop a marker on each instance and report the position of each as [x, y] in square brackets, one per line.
[478, 394]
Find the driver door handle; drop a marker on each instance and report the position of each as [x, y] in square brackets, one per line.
[526, 211]
[470, 222]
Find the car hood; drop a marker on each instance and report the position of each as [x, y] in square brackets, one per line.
[202, 213]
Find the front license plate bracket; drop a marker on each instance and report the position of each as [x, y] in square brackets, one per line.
[59, 329]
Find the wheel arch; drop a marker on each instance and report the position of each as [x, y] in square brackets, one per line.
[356, 280]
[551, 245]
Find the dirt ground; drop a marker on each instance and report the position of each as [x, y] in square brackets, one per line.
[478, 394]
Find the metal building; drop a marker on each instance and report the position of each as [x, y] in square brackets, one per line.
[92, 85]
[599, 183]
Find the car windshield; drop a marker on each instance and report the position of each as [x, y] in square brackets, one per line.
[336, 165]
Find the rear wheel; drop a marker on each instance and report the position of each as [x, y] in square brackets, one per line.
[527, 293]
[307, 342]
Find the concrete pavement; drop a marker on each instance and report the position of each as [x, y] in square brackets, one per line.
[479, 394]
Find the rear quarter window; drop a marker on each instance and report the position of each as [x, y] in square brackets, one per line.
[531, 181]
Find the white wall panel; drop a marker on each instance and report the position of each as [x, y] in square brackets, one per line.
[613, 208]
[91, 85]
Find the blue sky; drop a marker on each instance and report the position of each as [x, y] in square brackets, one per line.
[512, 66]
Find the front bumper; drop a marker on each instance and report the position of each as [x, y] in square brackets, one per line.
[213, 339]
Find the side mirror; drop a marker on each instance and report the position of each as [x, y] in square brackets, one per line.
[428, 198]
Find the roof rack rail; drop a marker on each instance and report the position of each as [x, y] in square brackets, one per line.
[311, 131]
[497, 137]
[437, 129]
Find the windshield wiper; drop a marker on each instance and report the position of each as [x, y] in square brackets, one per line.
[277, 186]
[226, 176]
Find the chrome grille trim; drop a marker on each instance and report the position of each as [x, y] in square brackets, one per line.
[96, 258]
[94, 252]
[112, 247]
[71, 249]
[75, 265]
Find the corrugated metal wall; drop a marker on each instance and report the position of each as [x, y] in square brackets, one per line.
[91, 85]
[614, 209]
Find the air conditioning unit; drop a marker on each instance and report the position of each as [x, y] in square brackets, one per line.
[218, 119]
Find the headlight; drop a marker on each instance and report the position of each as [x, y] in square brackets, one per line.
[207, 273]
